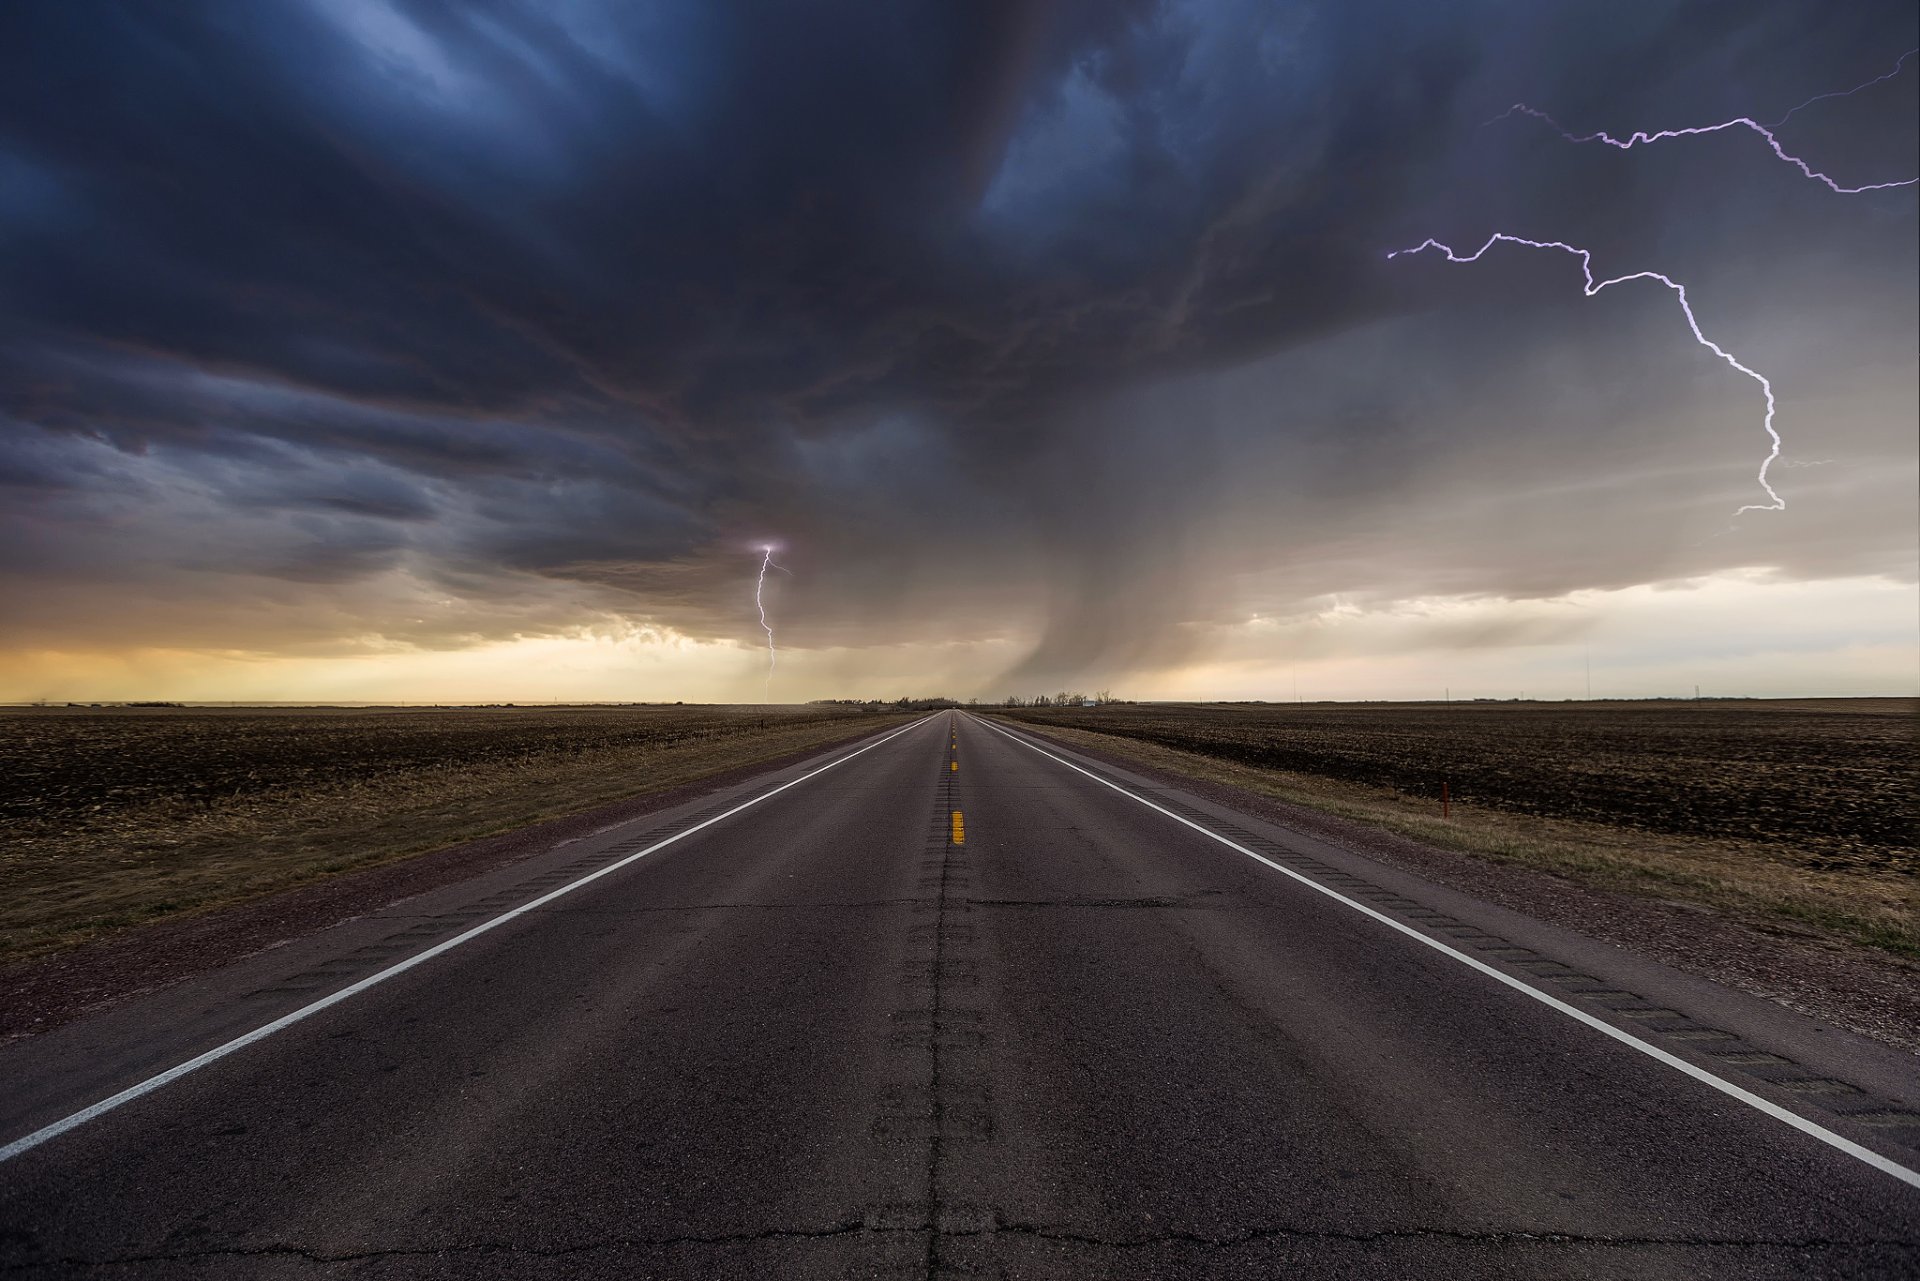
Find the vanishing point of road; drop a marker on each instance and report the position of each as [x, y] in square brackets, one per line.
[954, 1001]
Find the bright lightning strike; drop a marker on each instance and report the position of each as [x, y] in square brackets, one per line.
[1679, 291]
[759, 602]
[1743, 122]
[1775, 503]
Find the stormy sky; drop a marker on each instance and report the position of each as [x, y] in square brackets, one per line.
[390, 348]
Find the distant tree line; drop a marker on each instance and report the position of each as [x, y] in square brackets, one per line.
[1065, 698]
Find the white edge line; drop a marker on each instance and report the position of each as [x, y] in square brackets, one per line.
[261, 1033]
[1863, 1154]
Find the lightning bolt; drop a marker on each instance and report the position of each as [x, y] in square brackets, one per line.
[1638, 137]
[1593, 286]
[1845, 93]
[1679, 291]
[759, 602]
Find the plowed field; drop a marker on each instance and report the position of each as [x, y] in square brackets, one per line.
[1834, 783]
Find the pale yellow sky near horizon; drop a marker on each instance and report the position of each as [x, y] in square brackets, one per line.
[1733, 634]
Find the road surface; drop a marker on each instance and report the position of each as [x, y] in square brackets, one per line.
[953, 1002]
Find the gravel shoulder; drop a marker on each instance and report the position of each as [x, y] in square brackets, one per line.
[118, 818]
[46, 991]
[1863, 989]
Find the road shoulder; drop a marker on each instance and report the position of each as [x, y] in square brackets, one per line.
[1866, 992]
[46, 992]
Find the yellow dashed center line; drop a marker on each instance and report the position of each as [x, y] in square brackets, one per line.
[959, 829]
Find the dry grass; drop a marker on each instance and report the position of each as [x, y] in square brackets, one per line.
[113, 818]
[1870, 897]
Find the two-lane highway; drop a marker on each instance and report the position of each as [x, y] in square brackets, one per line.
[955, 1002]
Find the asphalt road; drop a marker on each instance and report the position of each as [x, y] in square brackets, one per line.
[952, 1007]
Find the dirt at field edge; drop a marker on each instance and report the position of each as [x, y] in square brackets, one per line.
[1870, 993]
[46, 991]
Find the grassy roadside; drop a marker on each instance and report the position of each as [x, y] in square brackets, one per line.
[1749, 881]
[199, 840]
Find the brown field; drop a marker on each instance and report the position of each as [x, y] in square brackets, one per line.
[117, 816]
[1802, 809]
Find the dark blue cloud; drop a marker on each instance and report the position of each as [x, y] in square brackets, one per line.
[593, 291]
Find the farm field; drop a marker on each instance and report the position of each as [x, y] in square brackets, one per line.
[1802, 808]
[123, 815]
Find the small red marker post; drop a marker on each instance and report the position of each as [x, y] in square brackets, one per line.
[1443, 798]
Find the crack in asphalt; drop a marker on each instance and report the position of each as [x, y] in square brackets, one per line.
[1160, 900]
[313, 1255]
[936, 1148]
[857, 905]
[1175, 1236]
[1045, 1232]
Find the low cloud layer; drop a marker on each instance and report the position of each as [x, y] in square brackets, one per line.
[1061, 331]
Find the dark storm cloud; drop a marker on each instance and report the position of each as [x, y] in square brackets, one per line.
[596, 293]
[482, 206]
